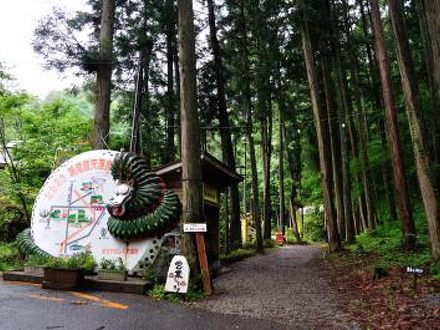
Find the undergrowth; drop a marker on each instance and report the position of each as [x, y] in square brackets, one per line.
[386, 243]
[9, 257]
[194, 294]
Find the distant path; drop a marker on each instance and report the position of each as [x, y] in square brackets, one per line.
[288, 285]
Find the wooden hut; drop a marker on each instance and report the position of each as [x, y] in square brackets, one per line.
[216, 176]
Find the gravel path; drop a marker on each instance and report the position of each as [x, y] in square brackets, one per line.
[288, 285]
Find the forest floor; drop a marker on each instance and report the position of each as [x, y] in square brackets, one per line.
[385, 299]
[290, 285]
[295, 286]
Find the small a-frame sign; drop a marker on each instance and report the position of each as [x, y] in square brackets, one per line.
[178, 275]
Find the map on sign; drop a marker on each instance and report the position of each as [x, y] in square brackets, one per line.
[69, 214]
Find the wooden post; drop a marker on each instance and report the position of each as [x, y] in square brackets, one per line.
[200, 239]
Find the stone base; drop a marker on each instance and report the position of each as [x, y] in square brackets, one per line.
[133, 285]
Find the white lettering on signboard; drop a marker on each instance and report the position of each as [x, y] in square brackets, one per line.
[194, 228]
[414, 270]
[178, 275]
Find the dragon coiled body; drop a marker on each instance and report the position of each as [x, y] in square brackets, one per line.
[142, 207]
[27, 246]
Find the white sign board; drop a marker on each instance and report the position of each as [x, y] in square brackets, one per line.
[414, 270]
[178, 275]
[69, 214]
[194, 228]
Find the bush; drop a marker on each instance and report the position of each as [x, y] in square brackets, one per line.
[12, 221]
[9, 257]
[109, 264]
[36, 260]
[194, 294]
[386, 242]
[314, 227]
[83, 261]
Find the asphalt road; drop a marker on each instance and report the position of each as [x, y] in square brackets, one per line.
[27, 307]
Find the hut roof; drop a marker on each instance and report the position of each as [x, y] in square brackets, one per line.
[214, 172]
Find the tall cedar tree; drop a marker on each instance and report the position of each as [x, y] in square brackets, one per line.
[424, 161]
[225, 130]
[402, 197]
[103, 77]
[192, 199]
[323, 139]
[247, 105]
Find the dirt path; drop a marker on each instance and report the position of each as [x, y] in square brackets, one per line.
[288, 285]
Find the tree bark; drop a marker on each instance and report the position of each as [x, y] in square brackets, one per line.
[247, 106]
[282, 195]
[323, 140]
[266, 150]
[389, 193]
[422, 154]
[403, 202]
[170, 150]
[103, 78]
[335, 143]
[225, 130]
[432, 11]
[292, 157]
[192, 200]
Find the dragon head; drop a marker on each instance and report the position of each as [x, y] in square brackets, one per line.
[141, 205]
[122, 194]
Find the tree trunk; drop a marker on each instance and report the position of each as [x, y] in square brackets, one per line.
[389, 193]
[249, 127]
[266, 146]
[138, 95]
[293, 157]
[403, 202]
[281, 168]
[323, 140]
[146, 107]
[192, 201]
[422, 155]
[103, 78]
[335, 143]
[170, 150]
[225, 130]
[432, 11]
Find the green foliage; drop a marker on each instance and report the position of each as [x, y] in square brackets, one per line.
[9, 257]
[37, 260]
[386, 243]
[39, 133]
[12, 219]
[110, 264]
[83, 261]
[314, 230]
[290, 236]
[194, 294]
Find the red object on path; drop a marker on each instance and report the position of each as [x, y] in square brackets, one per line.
[279, 237]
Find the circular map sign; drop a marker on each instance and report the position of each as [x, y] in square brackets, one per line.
[69, 214]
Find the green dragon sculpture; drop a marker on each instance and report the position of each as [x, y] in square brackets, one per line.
[141, 207]
[27, 246]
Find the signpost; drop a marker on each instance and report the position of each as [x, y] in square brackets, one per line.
[199, 229]
[194, 228]
[416, 272]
